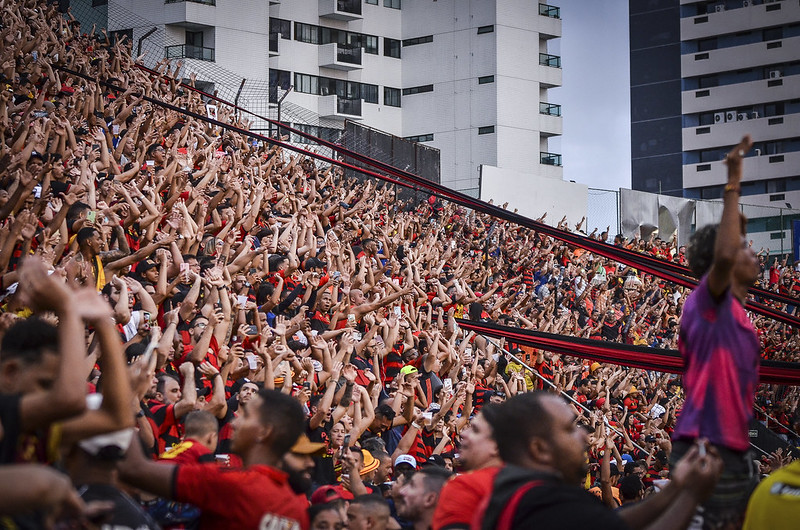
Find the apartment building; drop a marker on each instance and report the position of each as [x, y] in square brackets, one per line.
[738, 65]
[469, 77]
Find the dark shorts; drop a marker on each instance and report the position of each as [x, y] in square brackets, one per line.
[726, 506]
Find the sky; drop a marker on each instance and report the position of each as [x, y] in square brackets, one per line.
[595, 96]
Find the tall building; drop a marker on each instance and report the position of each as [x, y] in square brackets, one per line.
[655, 48]
[737, 64]
[469, 77]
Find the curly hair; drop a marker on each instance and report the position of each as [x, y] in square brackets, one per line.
[700, 252]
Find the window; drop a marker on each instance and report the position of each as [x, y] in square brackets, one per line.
[306, 33]
[194, 38]
[417, 90]
[486, 79]
[485, 29]
[394, 4]
[373, 2]
[369, 93]
[371, 44]
[282, 26]
[306, 84]
[486, 130]
[420, 138]
[418, 40]
[391, 96]
[391, 47]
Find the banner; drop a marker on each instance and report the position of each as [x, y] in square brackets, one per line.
[670, 361]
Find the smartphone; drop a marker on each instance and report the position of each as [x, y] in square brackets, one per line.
[306, 385]
[347, 440]
[351, 319]
[337, 275]
[252, 330]
[150, 163]
[252, 361]
[314, 332]
[448, 385]
[357, 335]
[397, 312]
[91, 216]
[241, 299]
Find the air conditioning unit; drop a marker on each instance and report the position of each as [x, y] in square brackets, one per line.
[730, 115]
[775, 74]
[754, 115]
[719, 8]
[741, 116]
[719, 117]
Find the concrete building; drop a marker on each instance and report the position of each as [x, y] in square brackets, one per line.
[469, 77]
[738, 70]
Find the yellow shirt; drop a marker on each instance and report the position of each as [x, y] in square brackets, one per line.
[775, 503]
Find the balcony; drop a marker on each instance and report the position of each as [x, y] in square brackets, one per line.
[206, 2]
[549, 11]
[553, 61]
[340, 56]
[340, 9]
[339, 107]
[550, 109]
[550, 159]
[274, 44]
[187, 51]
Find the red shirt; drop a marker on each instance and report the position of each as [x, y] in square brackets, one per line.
[188, 452]
[460, 496]
[256, 497]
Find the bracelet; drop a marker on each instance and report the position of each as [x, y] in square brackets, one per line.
[140, 414]
[416, 425]
[732, 187]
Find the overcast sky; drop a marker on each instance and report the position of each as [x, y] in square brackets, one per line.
[595, 96]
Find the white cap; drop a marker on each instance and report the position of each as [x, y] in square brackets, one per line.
[406, 459]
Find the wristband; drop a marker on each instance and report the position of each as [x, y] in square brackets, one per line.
[140, 414]
[733, 187]
[416, 425]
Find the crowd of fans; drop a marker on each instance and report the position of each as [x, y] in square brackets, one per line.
[174, 293]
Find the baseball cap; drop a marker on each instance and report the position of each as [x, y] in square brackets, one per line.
[109, 446]
[304, 446]
[329, 493]
[594, 366]
[408, 369]
[405, 459]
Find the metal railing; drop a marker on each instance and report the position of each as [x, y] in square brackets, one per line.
[549, 11]
[546, 59]
[550, 159]
[551, 109]
[348, 53]
[206, 2]
[188, 51]
[351, 106]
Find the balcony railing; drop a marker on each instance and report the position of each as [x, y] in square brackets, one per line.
[550, 159]
[551, 109]
[206, 2]
[549, 11]
[348, 53]
[348, 106]
[188, 51]
[545, 59]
